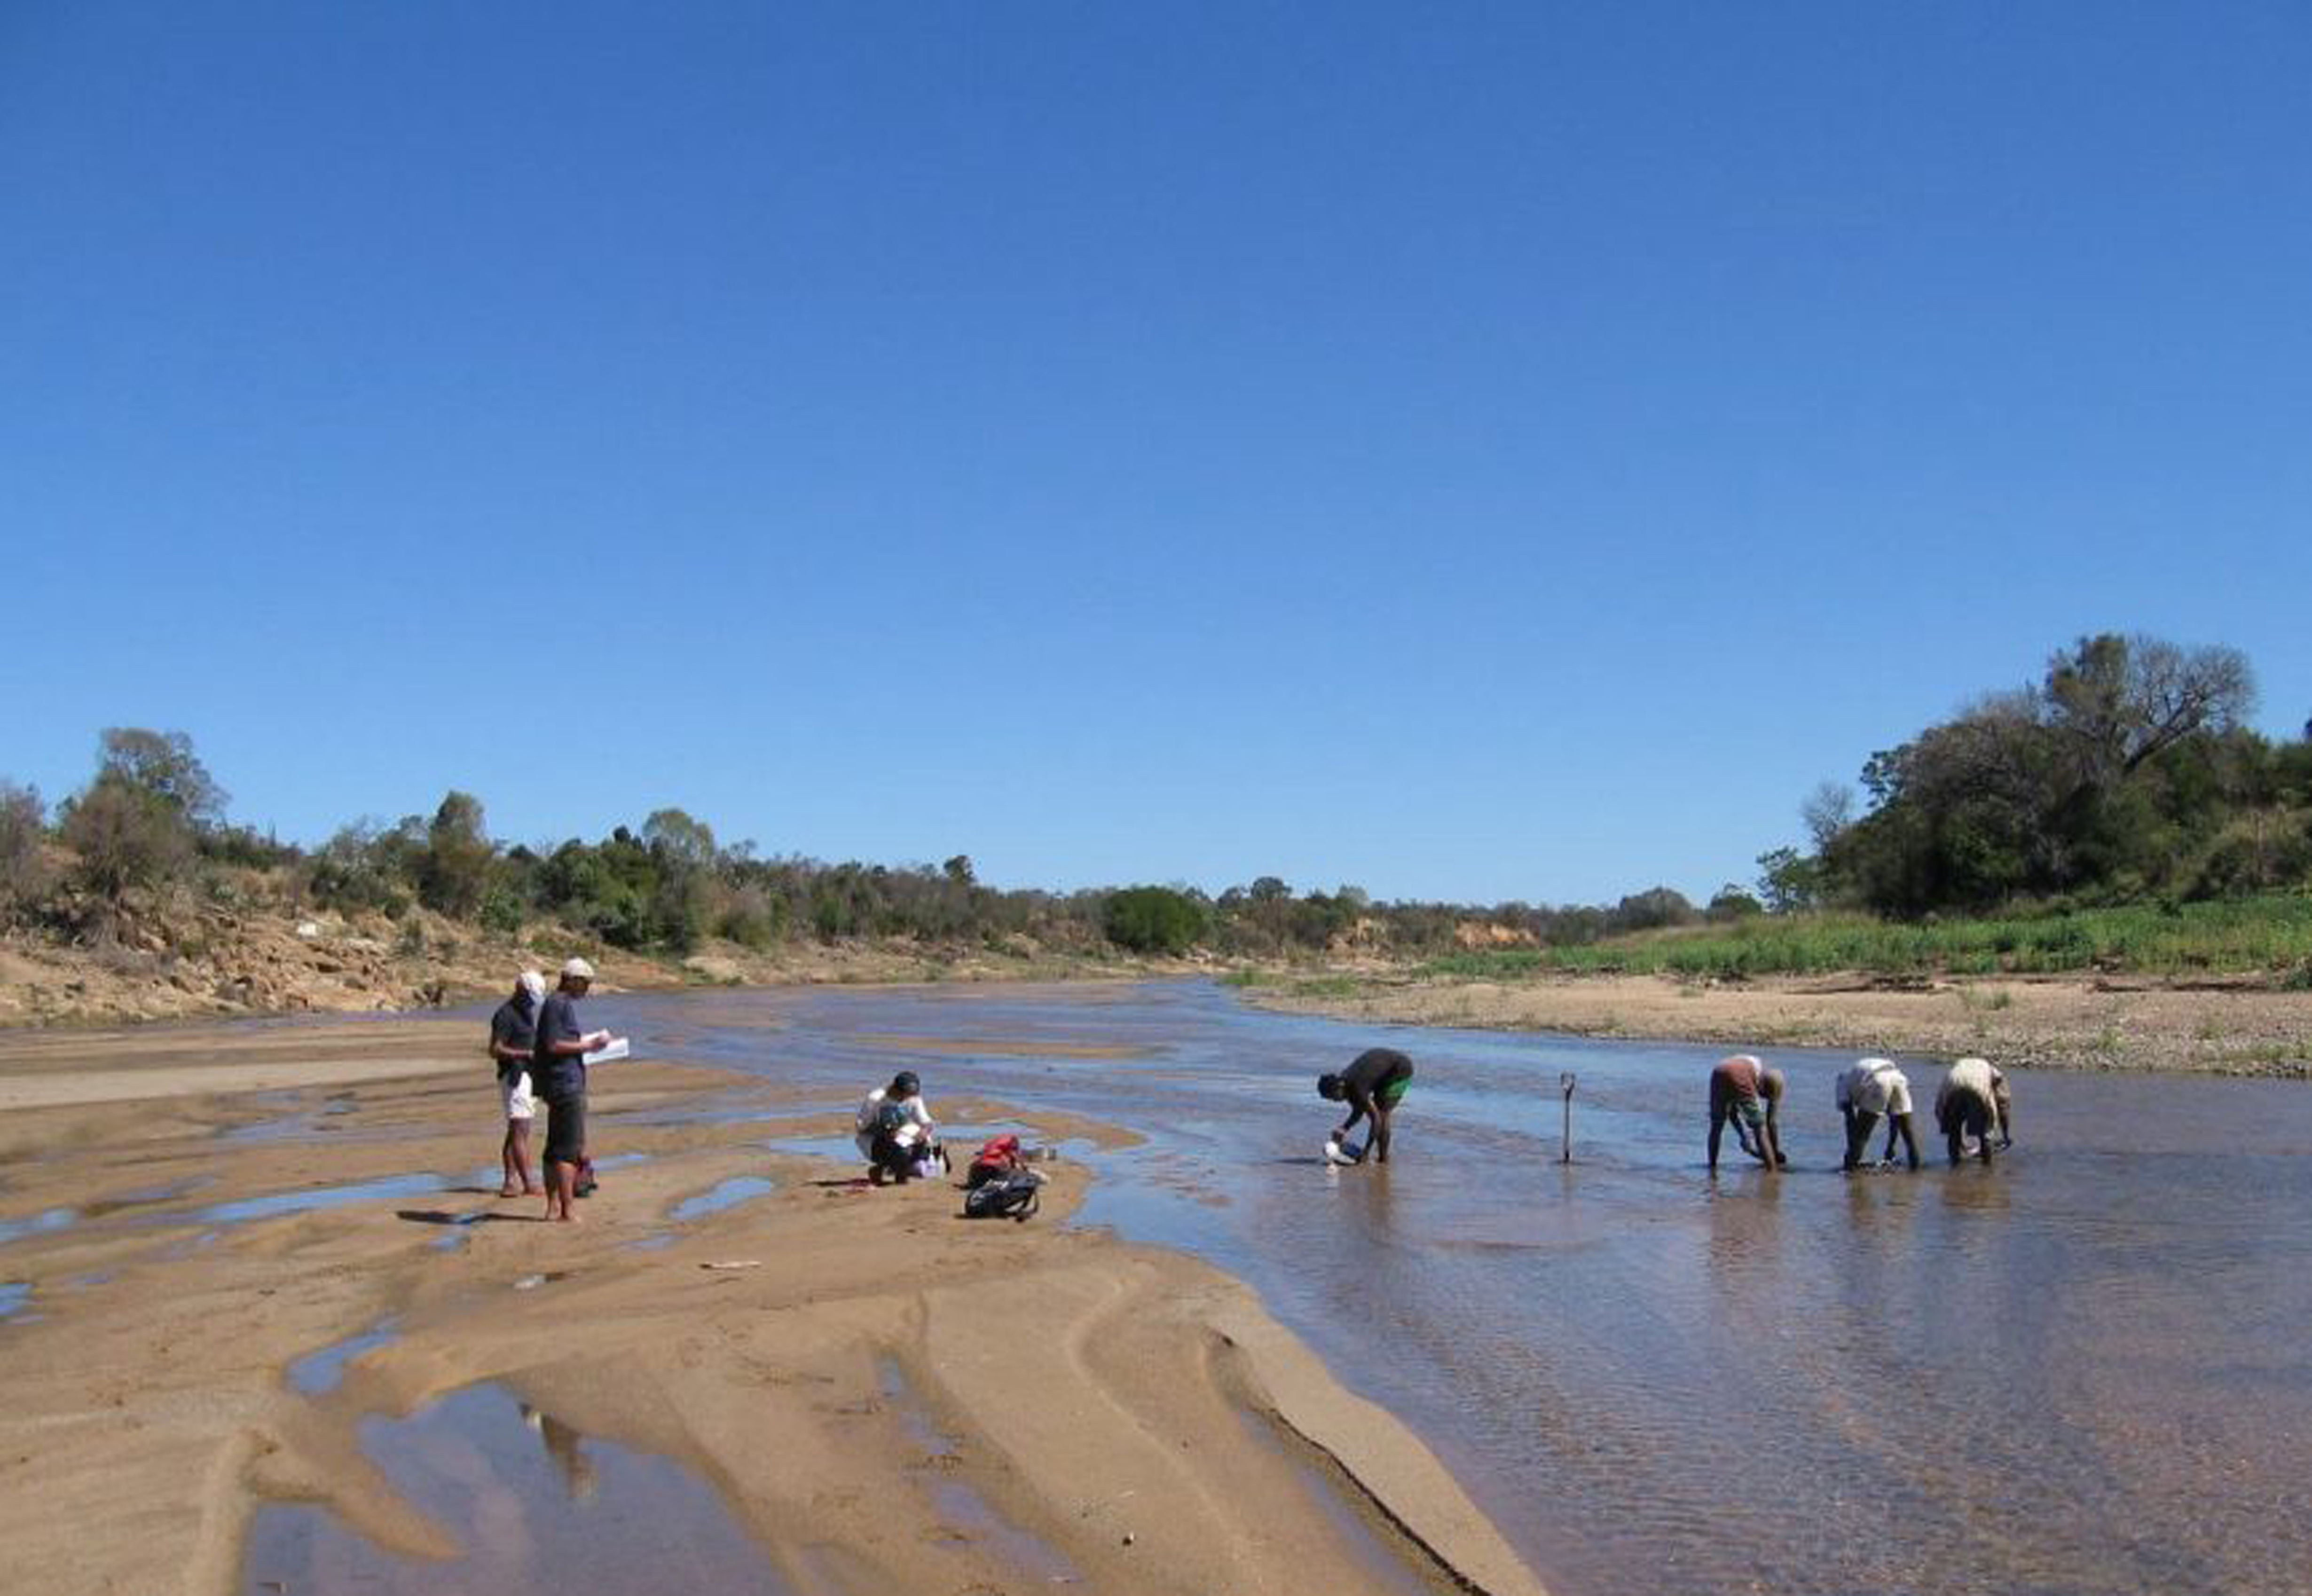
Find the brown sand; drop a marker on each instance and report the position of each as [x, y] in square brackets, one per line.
[1098, 1394]
[2051, 1023]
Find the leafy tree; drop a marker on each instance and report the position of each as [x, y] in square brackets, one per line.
[674, 835]
[1655, 906]
[1153, 920]
[1788, 882]
[454, 873]
[2119, 701]
[162, 766]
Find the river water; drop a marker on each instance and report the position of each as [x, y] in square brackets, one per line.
[2083, 1370]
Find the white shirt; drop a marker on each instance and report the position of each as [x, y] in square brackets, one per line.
[1977, 1075]
[919, 1123]
[1874, 1086]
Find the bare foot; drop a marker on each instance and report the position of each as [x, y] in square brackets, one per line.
[516, 1192]
[528, 1191]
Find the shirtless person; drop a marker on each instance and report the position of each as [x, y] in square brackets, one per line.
[1372, 1087]
[1973, 1096]
[1745, 1090]
[1867, 1089]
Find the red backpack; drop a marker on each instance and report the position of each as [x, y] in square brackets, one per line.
[997, 1156]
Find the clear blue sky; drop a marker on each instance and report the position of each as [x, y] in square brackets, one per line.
[1476, 451]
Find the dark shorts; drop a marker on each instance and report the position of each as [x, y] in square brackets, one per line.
[565, 1127]
[1968, 1115]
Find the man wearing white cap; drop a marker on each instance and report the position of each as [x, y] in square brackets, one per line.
[514, 1039]
[1867, 1089]
[558, 1074]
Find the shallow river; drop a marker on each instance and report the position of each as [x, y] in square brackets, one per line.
[2084, 1370]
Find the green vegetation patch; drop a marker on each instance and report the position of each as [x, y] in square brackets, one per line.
[2268, 933]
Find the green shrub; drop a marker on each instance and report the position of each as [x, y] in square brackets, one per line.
[1152, 920]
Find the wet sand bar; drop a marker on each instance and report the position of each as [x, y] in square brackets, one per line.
[259, 1333]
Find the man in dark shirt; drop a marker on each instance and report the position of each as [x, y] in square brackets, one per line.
[558, 1075]
[514, 1039]
[1372, 1087]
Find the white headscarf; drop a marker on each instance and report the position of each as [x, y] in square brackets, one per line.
[533, 984]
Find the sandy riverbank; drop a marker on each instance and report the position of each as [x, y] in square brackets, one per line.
[1098, 1399]
[2049, 1023]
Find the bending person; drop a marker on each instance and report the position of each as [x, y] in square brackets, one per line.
[1867, 1089]
[1972, 1100]
[1372, 1087]
[1743, 1089]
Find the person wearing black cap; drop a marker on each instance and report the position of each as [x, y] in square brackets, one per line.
[1372, 1087]
[893, 1126]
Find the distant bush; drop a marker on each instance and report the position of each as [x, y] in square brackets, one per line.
[358, 872]
[1152, 920]
[125, 838]
[22, 825]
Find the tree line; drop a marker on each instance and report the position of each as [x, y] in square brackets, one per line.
[152, 821]
[2126, 772]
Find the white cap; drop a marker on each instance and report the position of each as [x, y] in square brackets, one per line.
[531, 982]
[577, 970]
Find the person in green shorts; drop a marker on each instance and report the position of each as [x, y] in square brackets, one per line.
[1745, 1090]
[1372, 1087]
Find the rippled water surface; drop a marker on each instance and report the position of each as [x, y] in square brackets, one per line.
[2082, 1370]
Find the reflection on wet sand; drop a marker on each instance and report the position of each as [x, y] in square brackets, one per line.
[566, 1447]
[531, 1505]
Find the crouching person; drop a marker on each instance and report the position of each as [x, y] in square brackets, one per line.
[894, 1130]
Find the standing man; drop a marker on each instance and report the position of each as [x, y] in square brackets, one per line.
[1372, 1087]
[558, 1074]
[1868, 1088]
[514, 1039]
[1973, 1096]
[1743, 1089]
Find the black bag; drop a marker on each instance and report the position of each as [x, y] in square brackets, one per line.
[1014, 1195]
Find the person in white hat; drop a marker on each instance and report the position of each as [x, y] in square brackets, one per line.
[558, 1075]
